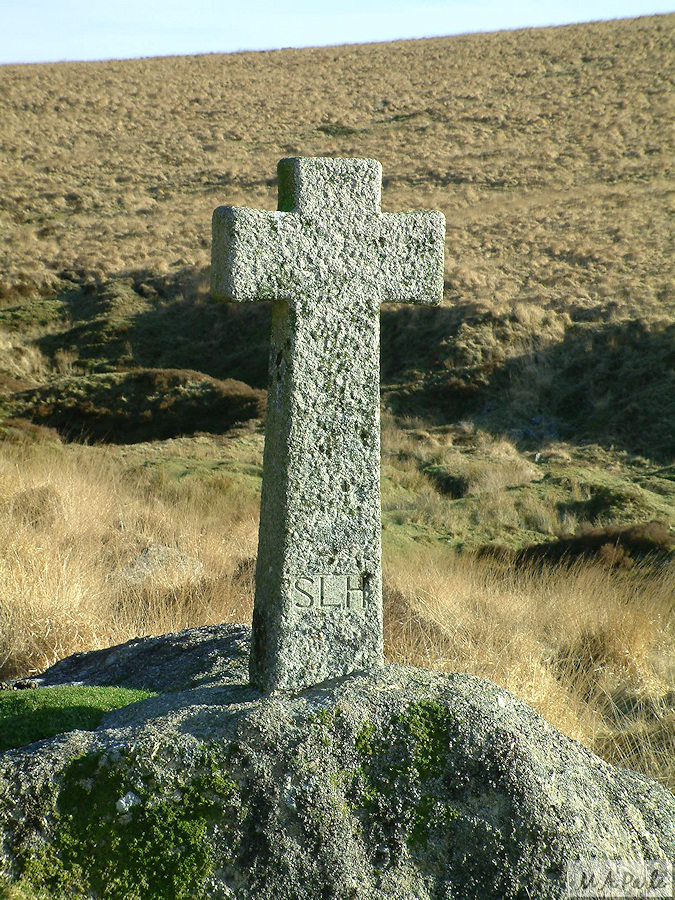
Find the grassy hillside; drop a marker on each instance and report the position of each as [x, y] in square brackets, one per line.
[528, 465]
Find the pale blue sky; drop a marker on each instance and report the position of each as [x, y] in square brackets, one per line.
[50, 30]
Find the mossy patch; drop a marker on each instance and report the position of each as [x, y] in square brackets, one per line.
[127, 830]
[32, 715]
[9, 891]
[403, 778]
[325, 720]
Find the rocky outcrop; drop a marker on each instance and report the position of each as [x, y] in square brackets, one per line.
[401, 783]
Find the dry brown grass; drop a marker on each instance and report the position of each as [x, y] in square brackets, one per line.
[590, 648]
[103, 544]
[549, 150]
[92, 556]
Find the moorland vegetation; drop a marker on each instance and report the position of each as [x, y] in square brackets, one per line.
[528, 464]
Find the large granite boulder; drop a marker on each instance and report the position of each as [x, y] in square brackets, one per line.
[400, 783]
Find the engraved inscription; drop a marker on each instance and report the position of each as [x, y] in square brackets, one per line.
[356, 597]
[333, 590]
[329, 591]
[307, 591]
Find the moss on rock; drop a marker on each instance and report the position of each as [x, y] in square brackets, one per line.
[407, 759]
[124, 831]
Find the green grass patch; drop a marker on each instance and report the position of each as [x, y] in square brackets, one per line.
[33, 314]
[32, 715]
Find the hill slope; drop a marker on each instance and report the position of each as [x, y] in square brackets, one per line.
[529, 418]
[550, 152]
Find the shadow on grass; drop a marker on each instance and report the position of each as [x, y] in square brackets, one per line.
[143, 405]
[613, 546]
[606, 383]
[610, 384]
[33, 715]
[163, 322]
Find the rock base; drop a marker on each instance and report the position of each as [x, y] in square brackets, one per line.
[400, 784]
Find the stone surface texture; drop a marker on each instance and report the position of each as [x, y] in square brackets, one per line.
[327, 260]
[399, 783]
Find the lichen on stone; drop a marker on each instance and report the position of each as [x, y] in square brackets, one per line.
[404, 774]
[151, 849]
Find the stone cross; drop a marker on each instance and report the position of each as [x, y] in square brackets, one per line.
[327, 260]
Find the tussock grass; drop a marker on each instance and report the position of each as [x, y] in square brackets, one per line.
[477, 489]
[101, 544]
[591, 648]
[93, 554]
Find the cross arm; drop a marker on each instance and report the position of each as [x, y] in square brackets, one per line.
[245, 254]
[413, 264]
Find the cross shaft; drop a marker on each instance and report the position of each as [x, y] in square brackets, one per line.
[326, 260]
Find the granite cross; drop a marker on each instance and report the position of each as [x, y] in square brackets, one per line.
[327, 260]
